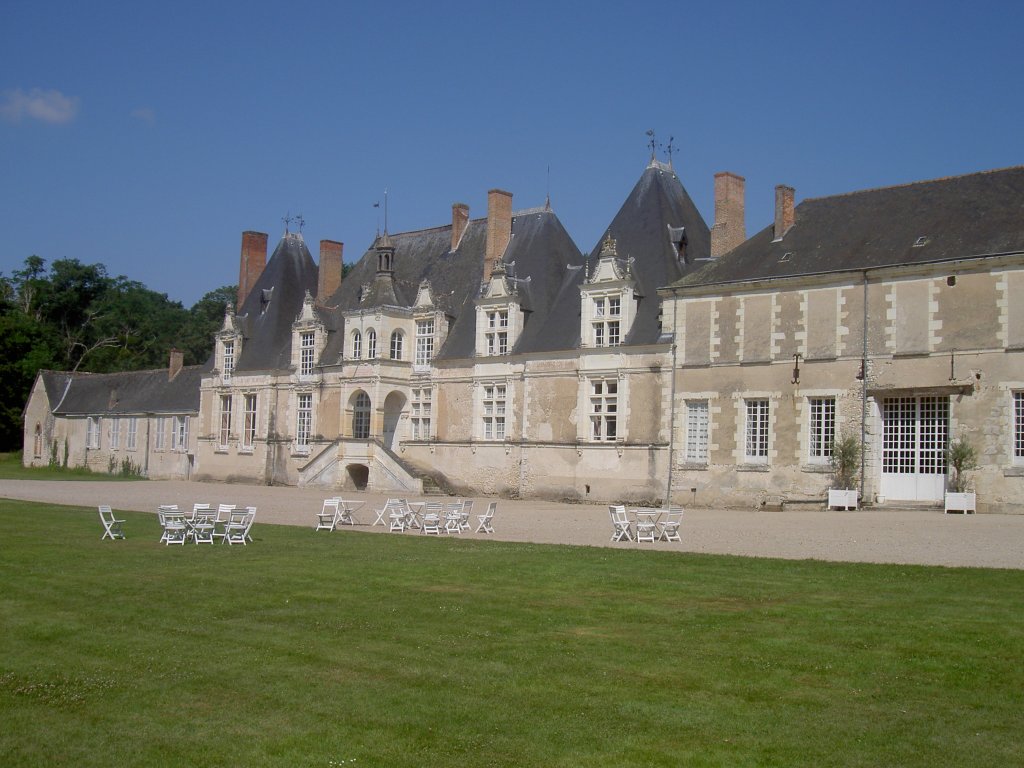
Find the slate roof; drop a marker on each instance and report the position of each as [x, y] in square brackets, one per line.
[959, 217]
[643, 229]
[273, 304]
[129, 392]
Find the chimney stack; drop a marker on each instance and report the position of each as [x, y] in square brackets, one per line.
[175, 365]
[499, 228]
[785, 215]
[254, 259]
[460, 218]
[329, 270]
[730, 228]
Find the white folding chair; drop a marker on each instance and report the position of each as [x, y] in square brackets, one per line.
[399, 518]
[204, 526]
[670, 525]
[111, 525]
[161, 513]
[174, 525]
[621, 527]
[645, 526]
[236, 530]
[328, 517]
[453, 517]
[467, 510]
[432, 518]
[383, 512]
[486, 518]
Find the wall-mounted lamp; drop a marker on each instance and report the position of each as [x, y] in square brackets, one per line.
[796, 368]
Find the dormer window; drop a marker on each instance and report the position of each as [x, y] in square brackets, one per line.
[357, 345]
[609, 299]
[497, 332]
[308, 339]
[307, 353]
[229, 359]
[424, 343]
[606, 323]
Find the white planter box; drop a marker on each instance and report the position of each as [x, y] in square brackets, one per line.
[960, 502]
[842, 499]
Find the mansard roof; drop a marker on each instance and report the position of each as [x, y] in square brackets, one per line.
[924, 222]
[644, 230]
[275, 301]
[129, 392]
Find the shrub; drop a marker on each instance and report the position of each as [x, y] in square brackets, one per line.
[845, 462]
[961, 458]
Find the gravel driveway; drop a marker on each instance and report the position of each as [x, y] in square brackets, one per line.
[926, 537]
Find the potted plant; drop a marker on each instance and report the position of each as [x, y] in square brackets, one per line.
[961, 458]
[845, 466]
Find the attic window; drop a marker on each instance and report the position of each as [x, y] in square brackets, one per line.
[786, 256]
[922, 240]
[265, 296]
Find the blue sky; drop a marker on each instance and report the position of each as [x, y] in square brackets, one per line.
[148, 136]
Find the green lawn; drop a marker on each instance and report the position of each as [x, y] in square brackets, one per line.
[379, 650]
[12, 469]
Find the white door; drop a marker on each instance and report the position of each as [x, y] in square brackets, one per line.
[914, 447]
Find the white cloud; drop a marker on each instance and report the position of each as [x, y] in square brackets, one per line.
[146, 114]
[47, 106]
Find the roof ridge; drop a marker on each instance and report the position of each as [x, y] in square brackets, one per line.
[916, 183]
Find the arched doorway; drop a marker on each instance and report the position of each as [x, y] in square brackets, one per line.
[360, 415]
[394, 404]
[358, 476]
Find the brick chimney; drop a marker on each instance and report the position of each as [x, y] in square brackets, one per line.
[252, 262]
[785, 215]
[329, 271]
[174, 367]
[499, 228]
[730, 228]
[460, 218]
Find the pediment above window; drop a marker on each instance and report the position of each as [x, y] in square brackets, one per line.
[424, 297]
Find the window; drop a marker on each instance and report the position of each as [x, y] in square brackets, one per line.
[822, 428]
[424, 342]
[396, 345]
[249, 426]
[357, 345]
[115, 434]
[420, 413]
[229, 358]
[604, 396]
[225, 421]
[371, 344]
[307, 352]
[37, 445]
[161, 433]
[179, 436]
[494, 411]
[756, 439]
[497, 332]
[92, 432]
[697, 431]
[133, 433]
[607, 315]
[1018, 427]
[361, 417]
[304, 420]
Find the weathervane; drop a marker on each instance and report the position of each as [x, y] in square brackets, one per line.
[287, 219]
[653, 144]
[670, 150]
[301, 222]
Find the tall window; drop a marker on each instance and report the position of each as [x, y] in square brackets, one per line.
[396, 345]
[424, 342]
[179, 436]
[92, 432]
[371, 344]
[304, 420]
[497, 332]
[307, 352]
[494, 411]
[604, 408]
[822, 428]
[756, 438]
[697, 431]
[161, 433]
[1018, 427]
[229, 358]
[37, 445]
[607, 316]
[225, 421]
[361, 417]
[133, 433]
[249, 426]
[115, 433]
[420, 413]
[357, 345]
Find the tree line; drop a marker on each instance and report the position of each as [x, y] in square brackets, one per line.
[75, 317]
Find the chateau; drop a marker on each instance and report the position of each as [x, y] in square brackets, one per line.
[492, 356]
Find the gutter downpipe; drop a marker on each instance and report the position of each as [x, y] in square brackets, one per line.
[864, 387]
[672, 408]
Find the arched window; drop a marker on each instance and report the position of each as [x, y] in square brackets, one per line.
[357, 345]
[361, 416]
[396, 345]
[371, 344]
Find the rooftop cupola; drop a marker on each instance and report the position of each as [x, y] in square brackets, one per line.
[385, 255]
